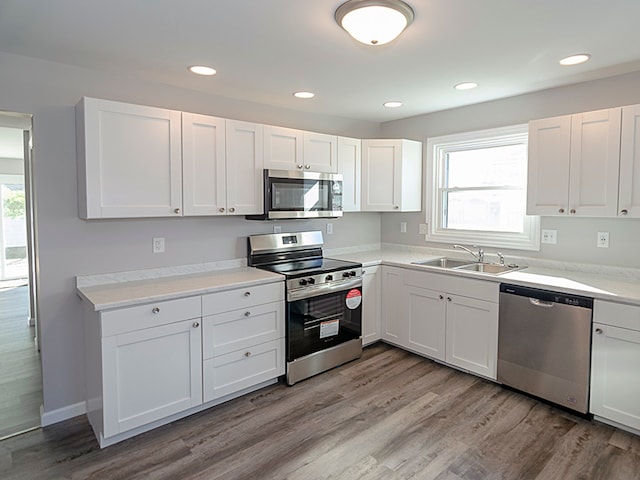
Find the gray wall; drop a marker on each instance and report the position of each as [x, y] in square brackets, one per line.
[69, 246]
[576, 236]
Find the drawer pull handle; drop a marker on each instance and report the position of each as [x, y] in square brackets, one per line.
[448, 299]
[561, 210]
[599, 331]
[247, 314]
[247, 354]
[572, 211]
[247, 294]
[232, 209]
[176, 210]
[624, 212]
[441, 297]
[155, 310]
[196, 324]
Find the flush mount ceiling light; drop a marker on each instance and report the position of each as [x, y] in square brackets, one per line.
[304, 94]
[392, 104]
[574, 59]
[202, 70]
[374, 22]
[466, 86]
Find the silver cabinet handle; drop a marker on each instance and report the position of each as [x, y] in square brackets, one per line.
[561, 210]
[247, 314]
[221, 209]
[624, 211]
[196, 324]
[599, 331]
[448, 299]
[176, 210]
[307, 167]
[300, 166]
[247, 354]
[232, 209]
[441, 297]
[247, 294]
[572, 211]
[155, 310]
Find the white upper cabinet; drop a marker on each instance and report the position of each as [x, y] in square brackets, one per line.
[203, 164]
[290, 149]
[629, 193]
[244, 167]
[574, 164]
[350, 166]
[391, 176]
[129, 160]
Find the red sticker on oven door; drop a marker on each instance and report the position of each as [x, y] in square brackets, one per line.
[354, 299]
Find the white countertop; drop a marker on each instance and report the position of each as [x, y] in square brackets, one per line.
[604, 283]
[124, 293]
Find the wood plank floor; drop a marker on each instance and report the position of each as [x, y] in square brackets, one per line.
[389, 415]
[20, 372]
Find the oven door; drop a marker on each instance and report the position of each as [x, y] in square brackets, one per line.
[323, 320]
[302, 194]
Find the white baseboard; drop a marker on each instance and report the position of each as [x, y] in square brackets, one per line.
[64, 413]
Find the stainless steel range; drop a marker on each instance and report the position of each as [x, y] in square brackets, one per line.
[323, 301]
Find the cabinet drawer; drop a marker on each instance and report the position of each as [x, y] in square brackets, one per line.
[242, 298]
[150, 315]
[616, 314]
[442, 282]
[226, 374]
[230, 331]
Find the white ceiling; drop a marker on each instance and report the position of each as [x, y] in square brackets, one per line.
[264, 50]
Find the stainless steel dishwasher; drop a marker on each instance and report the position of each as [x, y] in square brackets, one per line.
[544, 344]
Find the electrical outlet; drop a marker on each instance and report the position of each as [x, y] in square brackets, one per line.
[277, 229]
[403, 227]
[158, 244]
[422, 229]
[603, 240]
[329, 228]
[549, 236]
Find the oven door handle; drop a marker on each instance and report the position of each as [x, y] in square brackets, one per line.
[302, 293]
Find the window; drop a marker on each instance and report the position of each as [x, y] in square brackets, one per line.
[478, 185]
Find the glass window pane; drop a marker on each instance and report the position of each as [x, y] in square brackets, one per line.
[486, 167]
[486, 210]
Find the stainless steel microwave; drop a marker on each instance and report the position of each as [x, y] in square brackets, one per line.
[295, 194]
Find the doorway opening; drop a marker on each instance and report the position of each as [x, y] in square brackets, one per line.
[20, 365]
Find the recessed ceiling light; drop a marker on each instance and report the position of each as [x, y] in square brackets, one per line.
[202, 70]
[466, 86]
[304, 94]
[575, 59]
[392, 104]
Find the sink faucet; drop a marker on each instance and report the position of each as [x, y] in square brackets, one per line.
[478, 256]
[500, 258]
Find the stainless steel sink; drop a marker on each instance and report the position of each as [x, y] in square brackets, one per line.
[442, 262]
[492, 268]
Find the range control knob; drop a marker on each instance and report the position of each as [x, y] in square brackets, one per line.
[352, 273]
[311, 280]
[328, 278]
[345, 274]
[302, 281]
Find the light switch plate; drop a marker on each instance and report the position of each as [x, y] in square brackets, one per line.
[403, 227]
[550, 236]
[329, 228]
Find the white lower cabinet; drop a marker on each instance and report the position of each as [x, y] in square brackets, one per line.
[370, 305]
[447, 318]
[615, 358]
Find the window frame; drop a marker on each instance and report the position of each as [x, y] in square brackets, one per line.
[437, 148]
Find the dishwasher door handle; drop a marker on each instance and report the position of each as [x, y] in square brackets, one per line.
[540, 303]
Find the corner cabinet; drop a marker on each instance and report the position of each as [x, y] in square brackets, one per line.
[350, 166]
[391, 176]
[291, 149]
[629, 194]
[614, 364]
[136, 161]
[574, 163]
[129, 160]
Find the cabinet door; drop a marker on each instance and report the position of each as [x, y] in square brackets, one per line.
[203, 164]
[150, 374]
[548, 166]
[426, 312]
[472, 335]
[371, 305]
[615, 388]
[129, 160]
[381, 175]
[320, 152]
[245, 163]
[350, 166]
[283, 148]
[595, 160]
[629, 194]
[393, 321]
